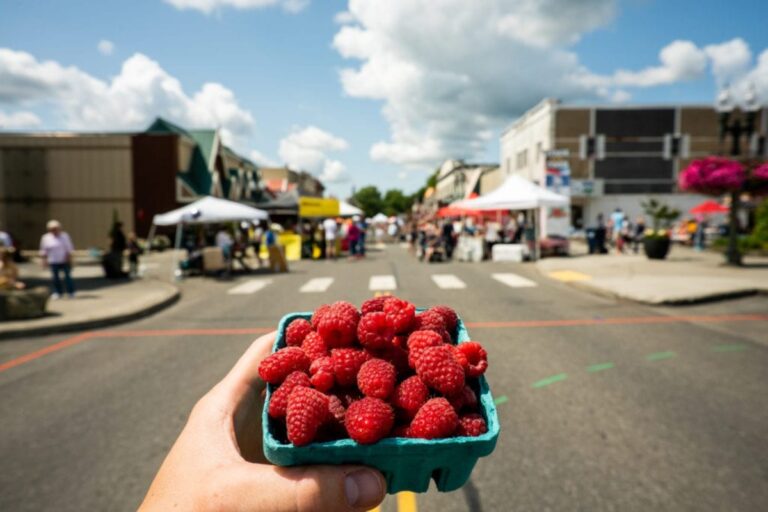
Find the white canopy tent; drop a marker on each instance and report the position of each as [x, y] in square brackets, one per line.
[517, 193]
[379, 218]
[208, 210]
[348, 210]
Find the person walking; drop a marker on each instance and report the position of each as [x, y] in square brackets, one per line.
[353, 239]
[56, 252]
[134, 250]
[637, 239]
[225, 242]
[331, 228]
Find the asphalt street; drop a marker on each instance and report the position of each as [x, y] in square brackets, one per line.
[604, 405]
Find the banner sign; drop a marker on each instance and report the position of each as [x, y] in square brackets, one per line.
[558, 180]
[318, 207]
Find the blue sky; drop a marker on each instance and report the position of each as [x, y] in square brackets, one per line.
[435, 85]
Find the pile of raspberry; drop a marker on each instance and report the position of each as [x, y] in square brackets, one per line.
[381, 371]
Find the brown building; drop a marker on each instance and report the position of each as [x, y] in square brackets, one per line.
[84, 180]
[282, 179]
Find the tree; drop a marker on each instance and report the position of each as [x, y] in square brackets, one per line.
[396, 202]
[369, 200]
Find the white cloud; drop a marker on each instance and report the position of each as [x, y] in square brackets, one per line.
[209, 6]
[680, 60]
[18, 120]
[262, 160]
[141, 91]
[106, 47]
[308, 148]
[344, 17]
[451, 76]
[730, 60]
[620, 96]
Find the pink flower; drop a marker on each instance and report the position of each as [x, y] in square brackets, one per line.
[713, 176]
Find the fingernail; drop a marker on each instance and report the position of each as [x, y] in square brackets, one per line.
[363, 488]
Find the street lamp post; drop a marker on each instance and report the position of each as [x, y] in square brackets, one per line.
[733, 126]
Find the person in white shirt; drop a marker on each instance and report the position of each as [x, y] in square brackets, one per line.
[56, 251]
[331, 228]
[225, 242]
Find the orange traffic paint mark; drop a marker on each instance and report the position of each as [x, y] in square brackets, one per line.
[474, 325]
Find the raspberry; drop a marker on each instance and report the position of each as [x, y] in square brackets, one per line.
[471, 425]
[435, 419]
[275, 368]
[279, 400]
[346, 364]
[418, 341]
[336, 411]
[464, 399]
[476, 356]
[410, 395]
[374, 332]
[314, 346]
[439, 370]
[321, 371]
[450, 317]
[296, 332]
[338, 325]
[307, 411]
[400, 341]
[373, 305]
[319, 314]
[429, 320]
[460, 357]
[369, 419]
[400, 314]
[377, 378]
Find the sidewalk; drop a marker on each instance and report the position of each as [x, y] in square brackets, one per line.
[98, 301]
[685, 277]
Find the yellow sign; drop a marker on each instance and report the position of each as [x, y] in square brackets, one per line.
[290, 241]
[318, 207]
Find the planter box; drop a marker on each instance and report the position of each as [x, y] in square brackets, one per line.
[656, 248]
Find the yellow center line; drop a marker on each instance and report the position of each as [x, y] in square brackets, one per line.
[568, 276]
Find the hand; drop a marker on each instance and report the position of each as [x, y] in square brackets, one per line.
[217, 461]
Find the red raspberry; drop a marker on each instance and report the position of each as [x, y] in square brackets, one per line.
[439, 370]
[476, 357]
[307, 411]
[400, 314]
[400, 341]
[314, 346]
[373, 305]
[338, 325]
[296, 332]
[321, 371]
[369, 419]
[410, 395]
[450, 317]
[346, 364]
[319, 314]
[336, 411]
[471, 425]
[464, 399]
[377, 378]
[275, 368]
[429, 320]
[418, 341]
[435, 419]
[374, 332]
[279, 399]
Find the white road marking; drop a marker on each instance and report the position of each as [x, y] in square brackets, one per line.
[248, 287]
[448, 282]
[514, 280]
[382, 283]
[316, 285]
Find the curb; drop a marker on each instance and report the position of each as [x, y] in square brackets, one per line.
[91, 324]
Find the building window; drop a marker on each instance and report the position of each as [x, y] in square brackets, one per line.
[522, 159]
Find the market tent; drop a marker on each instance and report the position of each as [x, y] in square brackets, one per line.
[709, 207]
[348, 210]
[379, 218]
[209, 210]
[452, 211]
[516, 193]
[286, 203]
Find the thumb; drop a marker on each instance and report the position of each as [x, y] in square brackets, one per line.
[309, 488]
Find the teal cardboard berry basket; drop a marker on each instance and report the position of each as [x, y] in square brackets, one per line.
[407, 464]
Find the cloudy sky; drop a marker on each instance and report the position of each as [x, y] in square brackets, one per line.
[363, 91]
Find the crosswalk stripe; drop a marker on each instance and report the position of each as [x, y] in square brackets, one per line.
[569, 276]
[316, 285]
[448, 282]
[251, 286]
[514, 280]
[382, 283]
